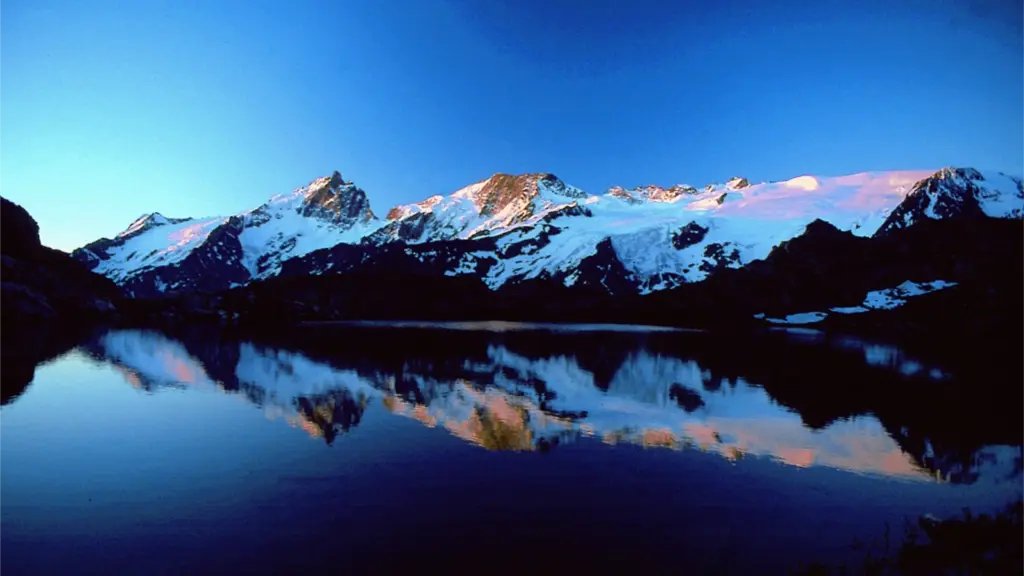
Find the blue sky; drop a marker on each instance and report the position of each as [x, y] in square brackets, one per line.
[197, 108]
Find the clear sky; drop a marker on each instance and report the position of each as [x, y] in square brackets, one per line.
[112, 109]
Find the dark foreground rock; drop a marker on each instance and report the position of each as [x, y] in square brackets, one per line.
[43, 286]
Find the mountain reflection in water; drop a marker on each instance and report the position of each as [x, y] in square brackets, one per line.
[867, 412]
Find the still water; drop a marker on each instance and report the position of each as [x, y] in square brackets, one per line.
[368, 449]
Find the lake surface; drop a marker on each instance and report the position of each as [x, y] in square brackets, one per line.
[367, 449]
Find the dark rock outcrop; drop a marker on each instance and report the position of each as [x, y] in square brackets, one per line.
[602, 270]
[738, 183]
[688, 235]
[337, 201]
[719, 256]
[43, 285]
[19, 235]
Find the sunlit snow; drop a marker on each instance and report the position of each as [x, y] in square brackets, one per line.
[743, 224]
[158, 246]
[289, 234]
[1001, 196]
[758, 218]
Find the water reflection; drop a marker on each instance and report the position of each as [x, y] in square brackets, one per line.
[25, 351]
[526, 392]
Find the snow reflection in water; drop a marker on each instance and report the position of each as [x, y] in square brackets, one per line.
[511, 401]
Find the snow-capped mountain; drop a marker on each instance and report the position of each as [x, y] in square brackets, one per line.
[156, 253]
[498, 204]
[507, 229]
[959, 193]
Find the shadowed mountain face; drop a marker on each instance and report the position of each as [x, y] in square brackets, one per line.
[41, 285]
[799, 399]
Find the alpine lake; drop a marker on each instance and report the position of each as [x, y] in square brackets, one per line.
[488, 447]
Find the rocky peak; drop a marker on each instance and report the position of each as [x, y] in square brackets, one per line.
[333, 199]
[502, 190]
[148, 222]
[952, 173]
[622, 193]
[336, 180]
[556, 186]
[737, 183]
[948, 193]
[652, 192]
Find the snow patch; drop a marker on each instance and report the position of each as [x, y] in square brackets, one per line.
[895, 297]
[802, 318]
[875, 300]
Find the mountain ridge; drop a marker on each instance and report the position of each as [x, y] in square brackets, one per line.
[537, 226]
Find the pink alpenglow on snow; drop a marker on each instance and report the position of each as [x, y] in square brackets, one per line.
[663, 236]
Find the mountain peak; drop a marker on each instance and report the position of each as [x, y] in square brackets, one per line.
[959, 173]
[953, 192]
[333, 199]
[336, 180]
[651, 192]
[147, 222]
[501, 190]
[526, 179]
[153, 217]
[737, 183]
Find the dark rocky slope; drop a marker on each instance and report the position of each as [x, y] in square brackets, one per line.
[43, 285]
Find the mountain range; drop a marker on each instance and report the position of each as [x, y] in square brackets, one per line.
[507, 230]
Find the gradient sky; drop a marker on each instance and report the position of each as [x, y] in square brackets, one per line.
[198, 108]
